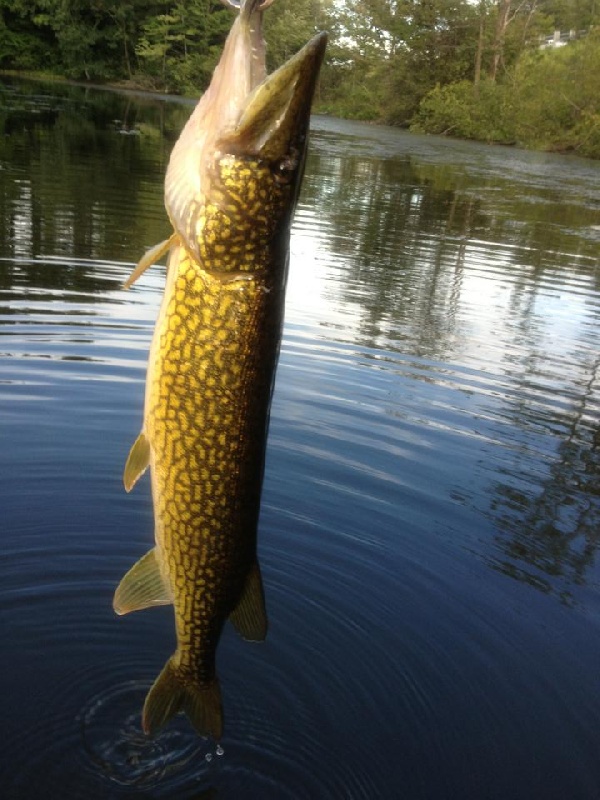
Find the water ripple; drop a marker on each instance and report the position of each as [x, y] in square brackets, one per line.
[116, 747]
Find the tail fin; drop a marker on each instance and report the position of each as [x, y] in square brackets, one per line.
[171, 693]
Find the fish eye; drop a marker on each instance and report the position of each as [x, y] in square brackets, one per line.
[283, 170]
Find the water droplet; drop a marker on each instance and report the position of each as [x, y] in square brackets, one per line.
[208, 757]
[219, 750]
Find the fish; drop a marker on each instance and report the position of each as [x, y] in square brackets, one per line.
[231, 188]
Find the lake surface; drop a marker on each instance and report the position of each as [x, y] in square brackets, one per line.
[431, 508]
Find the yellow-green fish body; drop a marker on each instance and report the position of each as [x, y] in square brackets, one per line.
[231, 189]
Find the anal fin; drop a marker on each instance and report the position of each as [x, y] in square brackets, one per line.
[142, 587]
[250, 615]
[137, 462]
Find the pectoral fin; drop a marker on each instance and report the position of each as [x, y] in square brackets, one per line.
[142, 587]
[150, 257]
[250, 616]
[137, 462]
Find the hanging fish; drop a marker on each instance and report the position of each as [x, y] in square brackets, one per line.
[230, 192]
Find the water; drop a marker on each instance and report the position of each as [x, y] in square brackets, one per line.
[431, 507]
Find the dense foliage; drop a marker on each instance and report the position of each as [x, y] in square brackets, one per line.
[468, 69]
[549, 99]
[169, 46]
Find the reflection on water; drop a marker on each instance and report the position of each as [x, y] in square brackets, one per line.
[71, 182]
[435, 268]
[431, 508]
[550, 534]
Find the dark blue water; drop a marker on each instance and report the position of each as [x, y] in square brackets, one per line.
[431, 509]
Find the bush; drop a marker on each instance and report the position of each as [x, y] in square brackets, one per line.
[469, 112]
[557, 93]
[586, 135]
[549, 101]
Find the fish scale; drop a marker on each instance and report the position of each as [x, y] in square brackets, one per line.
[230, 191]
[204, 494]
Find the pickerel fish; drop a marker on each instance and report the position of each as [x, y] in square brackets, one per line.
[230, 192]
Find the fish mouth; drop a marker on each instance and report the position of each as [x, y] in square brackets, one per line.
[243, 113]
[274, 121]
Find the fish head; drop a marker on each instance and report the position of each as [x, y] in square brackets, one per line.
[235, 172]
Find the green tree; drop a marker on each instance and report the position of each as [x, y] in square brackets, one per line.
[289, 26]
[516, 27]
[439, 46]
[572, 15]
[482, 112]
[556, 92]
[548, 100]
[26, 38]
[179, 48]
